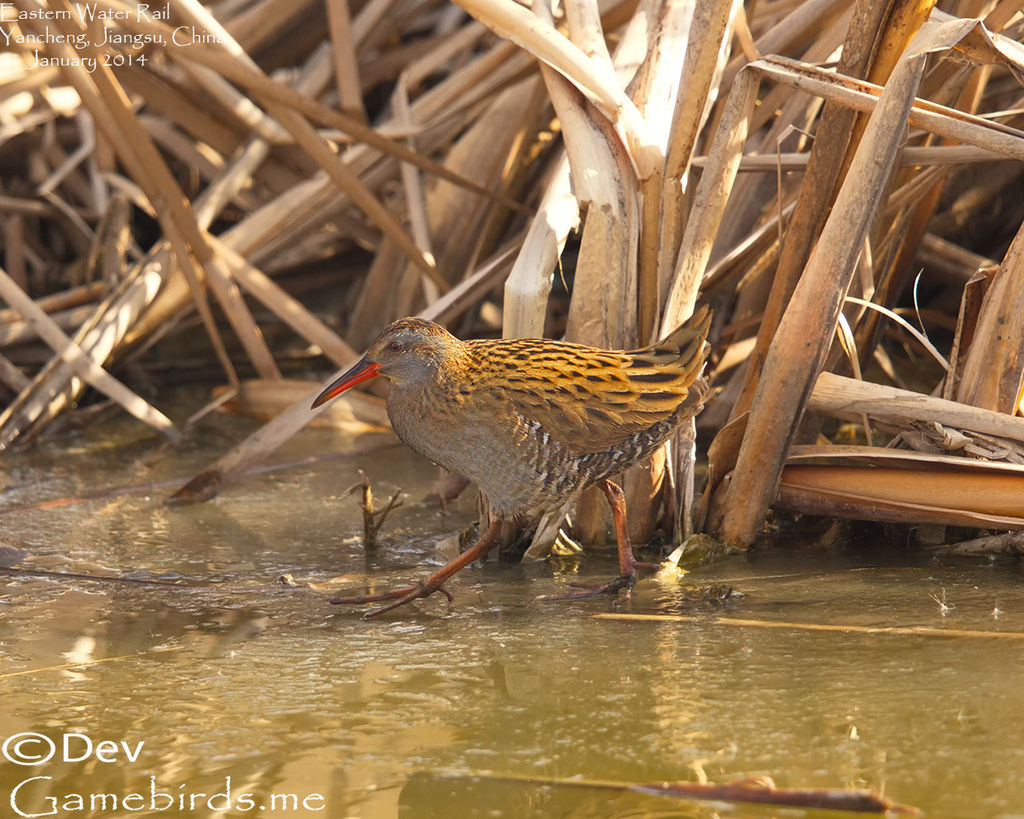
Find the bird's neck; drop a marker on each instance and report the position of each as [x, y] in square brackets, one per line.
[425, 413]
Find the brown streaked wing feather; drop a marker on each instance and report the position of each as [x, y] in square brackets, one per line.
[590, 399]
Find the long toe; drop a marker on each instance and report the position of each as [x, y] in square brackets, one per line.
[584, 591]
[414, 593]
[357, 599]
[401, 601]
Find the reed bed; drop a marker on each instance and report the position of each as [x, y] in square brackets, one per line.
[840, 182]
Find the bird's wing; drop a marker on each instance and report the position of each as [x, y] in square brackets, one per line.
[591, 399]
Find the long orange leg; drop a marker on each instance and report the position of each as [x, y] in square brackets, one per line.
[424, 588]
[617, 501]
[627, 563]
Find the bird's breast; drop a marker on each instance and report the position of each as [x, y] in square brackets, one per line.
[510, 457]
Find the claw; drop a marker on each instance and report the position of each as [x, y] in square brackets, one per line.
[401, 596]
[355, 600]
[585, 591]
[426, 587]
[413, 593]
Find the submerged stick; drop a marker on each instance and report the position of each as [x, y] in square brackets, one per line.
[758, 791]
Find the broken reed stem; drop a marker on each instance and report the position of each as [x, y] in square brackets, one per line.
[373, 518]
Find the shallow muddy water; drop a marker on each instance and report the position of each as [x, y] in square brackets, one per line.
[246, 698]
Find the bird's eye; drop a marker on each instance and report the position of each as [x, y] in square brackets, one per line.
[396, 346]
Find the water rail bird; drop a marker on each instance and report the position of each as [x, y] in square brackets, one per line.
[530, 421]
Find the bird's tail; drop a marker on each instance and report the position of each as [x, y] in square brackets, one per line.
[685, 347]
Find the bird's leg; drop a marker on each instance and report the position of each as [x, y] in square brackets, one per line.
[423, 588]
[617, 501]
[627, 563]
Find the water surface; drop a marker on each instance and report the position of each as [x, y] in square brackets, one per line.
[438, 710]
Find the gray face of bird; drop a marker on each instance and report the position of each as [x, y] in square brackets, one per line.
[408, 357]
[410, 353]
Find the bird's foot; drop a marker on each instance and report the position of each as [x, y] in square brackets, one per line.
[435, 583]
[625, 582]
[401, 596]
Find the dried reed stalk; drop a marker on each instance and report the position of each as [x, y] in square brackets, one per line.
[707, 151]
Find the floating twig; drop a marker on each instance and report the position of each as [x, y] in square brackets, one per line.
[89, 663]
[917, 631]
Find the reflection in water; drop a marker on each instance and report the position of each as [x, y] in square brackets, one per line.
[421, 714]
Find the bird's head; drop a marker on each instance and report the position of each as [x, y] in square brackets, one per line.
[409, 350]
